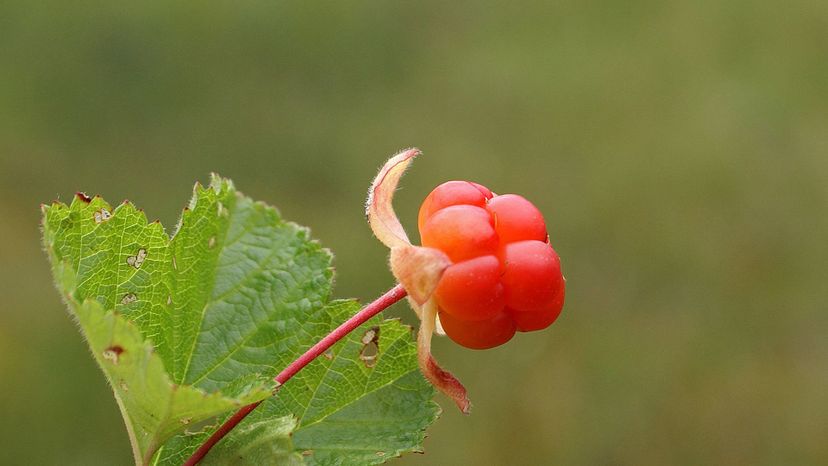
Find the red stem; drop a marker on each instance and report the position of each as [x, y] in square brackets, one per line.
[390, 297]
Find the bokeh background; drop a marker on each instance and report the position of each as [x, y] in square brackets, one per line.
[679, 151]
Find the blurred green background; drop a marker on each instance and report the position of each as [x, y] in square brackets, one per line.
[679, 151]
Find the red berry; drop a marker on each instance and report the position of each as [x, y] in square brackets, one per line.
[486, 192]
[531, 275]
[452, 193]
[540, 319]
[479, 334]
[471, 290]
[460, 231]
[516, 219]
[505, 276]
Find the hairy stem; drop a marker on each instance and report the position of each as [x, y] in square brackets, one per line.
[390, 297]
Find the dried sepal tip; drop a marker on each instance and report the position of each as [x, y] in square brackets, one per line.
[379, 209]
[440, 378]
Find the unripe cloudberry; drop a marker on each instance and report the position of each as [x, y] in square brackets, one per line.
[505, 276]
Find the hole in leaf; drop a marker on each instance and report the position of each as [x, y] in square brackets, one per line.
[370, 347]
[101, 215]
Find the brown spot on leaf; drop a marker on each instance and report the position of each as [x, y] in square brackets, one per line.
[113, 353]
[138, 259]
[307, 452]
[129, 298]
[83, 197]
[370, 347]
[211, 243]
[186, 420]
[328, 355]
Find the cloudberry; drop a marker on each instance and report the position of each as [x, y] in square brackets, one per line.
[504, 277]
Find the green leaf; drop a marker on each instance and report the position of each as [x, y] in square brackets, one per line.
[231, 299]
[364, 402]
[257, 443]
[153, 407]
